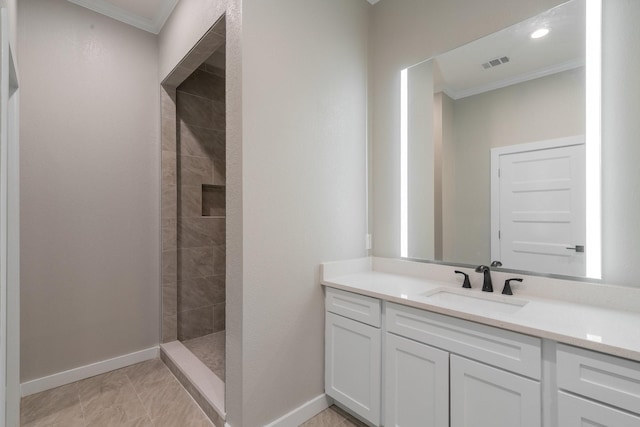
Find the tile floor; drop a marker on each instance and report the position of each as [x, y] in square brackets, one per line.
[142, 395]
[210, 350]
[333, 417]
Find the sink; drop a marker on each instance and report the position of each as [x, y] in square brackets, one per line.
[474, 302]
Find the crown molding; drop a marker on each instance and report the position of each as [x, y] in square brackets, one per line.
[565, 66]
[151, 25]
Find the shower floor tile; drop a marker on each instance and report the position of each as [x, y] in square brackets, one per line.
[210, 350]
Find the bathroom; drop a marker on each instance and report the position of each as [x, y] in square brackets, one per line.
[311, 94]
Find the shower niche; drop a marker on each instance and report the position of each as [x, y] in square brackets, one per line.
[213, 200]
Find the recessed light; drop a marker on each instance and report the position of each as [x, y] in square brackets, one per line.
[541, 32]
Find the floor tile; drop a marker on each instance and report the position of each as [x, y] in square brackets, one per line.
[192, 417]
[170, 405]
[68, 422]
[350, 420]
[148, 375]
[327, 418]
[333, 416]
[120, 414]
[142, 395]
[58, 406]
[165, 400]
[111, 391]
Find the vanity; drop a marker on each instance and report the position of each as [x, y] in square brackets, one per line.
[508, 173]
[405, 345]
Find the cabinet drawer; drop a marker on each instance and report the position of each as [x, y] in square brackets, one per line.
[574, 411]
[353, 306]
[504, 349]
[599, 376]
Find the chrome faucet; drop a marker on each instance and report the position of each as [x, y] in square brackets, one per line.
[487, 286]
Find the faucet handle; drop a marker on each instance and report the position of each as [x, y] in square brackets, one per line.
[466, 283]
[507, 286]
[496, 264]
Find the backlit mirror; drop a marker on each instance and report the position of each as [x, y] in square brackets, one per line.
[499, 154]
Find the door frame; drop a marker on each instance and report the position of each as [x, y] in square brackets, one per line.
[495, 177]
[9, 232]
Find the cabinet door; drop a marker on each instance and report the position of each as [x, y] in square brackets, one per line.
[575, 411]
[352, 371]
[416, 384]
[483, 396]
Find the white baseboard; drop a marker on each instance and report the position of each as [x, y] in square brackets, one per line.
[303, 413]
[87, 371]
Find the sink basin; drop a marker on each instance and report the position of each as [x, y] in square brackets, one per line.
[470, 302]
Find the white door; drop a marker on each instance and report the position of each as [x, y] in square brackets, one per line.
[416, 384]
[575, 411]
[353, 365]
[483, 396]
[541, 213]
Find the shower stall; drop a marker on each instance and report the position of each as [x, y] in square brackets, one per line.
[194, 221]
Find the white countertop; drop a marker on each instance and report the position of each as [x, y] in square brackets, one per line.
[613, 331]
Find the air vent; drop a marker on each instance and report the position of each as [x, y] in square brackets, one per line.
[495, 62]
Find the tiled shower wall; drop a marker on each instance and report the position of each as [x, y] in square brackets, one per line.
[193, 191]
[169, 217]
[200, 110]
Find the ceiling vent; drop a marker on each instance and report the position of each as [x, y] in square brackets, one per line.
[495, 62]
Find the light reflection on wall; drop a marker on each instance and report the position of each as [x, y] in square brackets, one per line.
[593, 137]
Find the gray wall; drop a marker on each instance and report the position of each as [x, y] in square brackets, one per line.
[188, 22]
[303, 187]
[90, 179]
[620, 147]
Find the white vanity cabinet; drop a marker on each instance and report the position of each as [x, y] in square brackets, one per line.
[443, 371]
[353, 352]
[416, 383]
[596, 389]
[401, 366]
[482, 395]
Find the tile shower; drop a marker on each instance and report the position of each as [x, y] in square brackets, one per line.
[193, 202]
[200, 111]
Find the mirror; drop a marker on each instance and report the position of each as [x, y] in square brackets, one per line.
[495, 149]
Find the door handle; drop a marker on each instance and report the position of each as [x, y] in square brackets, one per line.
[577, 248]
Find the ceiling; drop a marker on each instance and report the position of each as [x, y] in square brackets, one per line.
[148, 15]
[460, 72]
